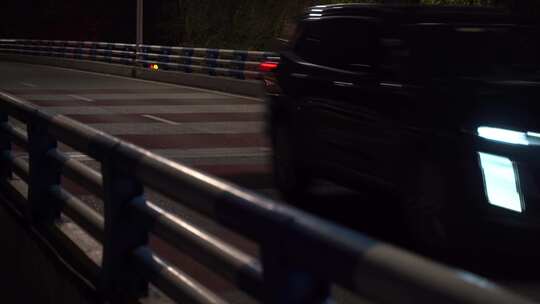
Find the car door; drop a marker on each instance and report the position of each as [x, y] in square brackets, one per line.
[341, 96]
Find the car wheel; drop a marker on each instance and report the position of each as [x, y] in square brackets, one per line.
[289, 177]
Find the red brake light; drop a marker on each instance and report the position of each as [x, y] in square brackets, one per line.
[268, 66]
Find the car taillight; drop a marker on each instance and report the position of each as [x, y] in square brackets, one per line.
[267, 69]
[268, 66]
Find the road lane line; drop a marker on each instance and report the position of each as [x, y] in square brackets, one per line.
[74, 155]
[128, 96]
[180, 118]
[200, 157]
[155, 109]
[170, 122]
[156, 127]
[27, 84]
[81, 98]
[163, 84]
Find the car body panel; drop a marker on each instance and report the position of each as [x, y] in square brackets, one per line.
[378, 119]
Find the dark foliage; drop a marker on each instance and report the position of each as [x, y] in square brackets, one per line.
[68, 20]
[243, 24]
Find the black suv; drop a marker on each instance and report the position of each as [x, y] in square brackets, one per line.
[438, 105]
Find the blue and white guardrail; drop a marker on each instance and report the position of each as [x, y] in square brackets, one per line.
[238, 64]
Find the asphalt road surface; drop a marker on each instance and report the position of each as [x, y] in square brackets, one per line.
[221, 134]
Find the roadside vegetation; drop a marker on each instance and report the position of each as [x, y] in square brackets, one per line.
[248, 24]
[236, 24]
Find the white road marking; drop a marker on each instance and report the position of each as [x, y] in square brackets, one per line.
[81, 98]
[199, 153]
[170, 122]
[204, 156]
[157, 127]
[214, 152]
[124, 96]
[155, 109]
[71, 154]
[157, 83]
[27, 84]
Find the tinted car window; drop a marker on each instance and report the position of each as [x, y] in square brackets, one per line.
[308, 41]
[475, 51]
[345, 43]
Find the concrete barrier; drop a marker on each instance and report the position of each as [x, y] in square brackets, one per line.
[251, 88]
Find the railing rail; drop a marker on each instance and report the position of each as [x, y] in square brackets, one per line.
[301, 255]
[217, 62]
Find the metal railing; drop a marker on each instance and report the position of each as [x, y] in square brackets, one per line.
[217, 62]
[301, 255]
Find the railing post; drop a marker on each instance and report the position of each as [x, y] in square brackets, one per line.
[6, 171]
[136, 53]
[44, 174]
[285, 283]
[124, 232]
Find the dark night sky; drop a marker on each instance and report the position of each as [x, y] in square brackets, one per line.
[114, 20]
[69, 20]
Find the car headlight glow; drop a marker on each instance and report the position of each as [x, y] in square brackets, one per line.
[509, 136]
[500, 182]
[503, 135]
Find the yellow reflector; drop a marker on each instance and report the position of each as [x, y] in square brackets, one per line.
[154, 67]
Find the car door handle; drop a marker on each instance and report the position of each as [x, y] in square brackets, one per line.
[343, 84]
[298, 75]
